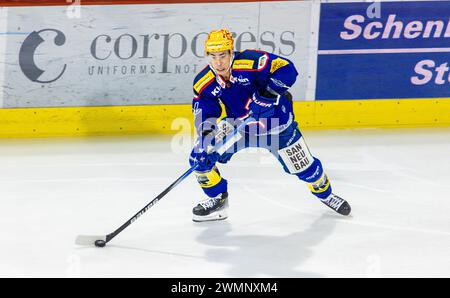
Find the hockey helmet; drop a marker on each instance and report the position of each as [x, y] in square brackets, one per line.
[218, 41]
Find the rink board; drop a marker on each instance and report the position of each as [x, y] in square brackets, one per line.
[96, 87]
[97, 55]
[402, 52]
[175, 119]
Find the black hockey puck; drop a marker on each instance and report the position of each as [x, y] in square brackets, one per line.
[100, 243]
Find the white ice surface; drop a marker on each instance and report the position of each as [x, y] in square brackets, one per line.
[397, 182]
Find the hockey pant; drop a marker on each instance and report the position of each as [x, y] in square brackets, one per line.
[291, 151]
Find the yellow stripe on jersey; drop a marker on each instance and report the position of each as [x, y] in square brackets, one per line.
[198, 86]
[243, 64]
[277, 64]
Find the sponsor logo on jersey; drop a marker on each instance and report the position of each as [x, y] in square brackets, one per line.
[243, 81]
[279, 83]
[216, 91]
[204, 81]
[243, 64]
[277, 64]
[262, 62]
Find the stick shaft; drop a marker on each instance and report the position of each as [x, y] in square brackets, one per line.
[172, 186]
[149, 205]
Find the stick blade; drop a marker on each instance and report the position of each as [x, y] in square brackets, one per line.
[88, 240]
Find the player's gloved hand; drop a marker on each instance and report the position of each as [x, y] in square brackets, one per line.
[202, 155]
[263, 105]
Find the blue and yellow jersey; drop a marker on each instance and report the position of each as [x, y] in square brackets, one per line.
[251, 71]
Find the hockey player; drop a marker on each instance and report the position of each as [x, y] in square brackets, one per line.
[253, 84]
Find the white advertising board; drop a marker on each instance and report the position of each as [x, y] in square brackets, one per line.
[135, 54]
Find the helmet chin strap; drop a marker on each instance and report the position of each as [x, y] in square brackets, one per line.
[229, 66]
[231, 62]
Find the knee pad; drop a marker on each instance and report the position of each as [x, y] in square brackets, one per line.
[296, 158]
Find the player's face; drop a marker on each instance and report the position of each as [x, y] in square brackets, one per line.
[221, 62]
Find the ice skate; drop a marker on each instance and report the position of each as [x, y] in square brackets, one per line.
[211, 209]
[338, 204]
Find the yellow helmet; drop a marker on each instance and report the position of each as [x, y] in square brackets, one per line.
[218, 41]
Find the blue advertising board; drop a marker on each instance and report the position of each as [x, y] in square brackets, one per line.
[392, 50]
